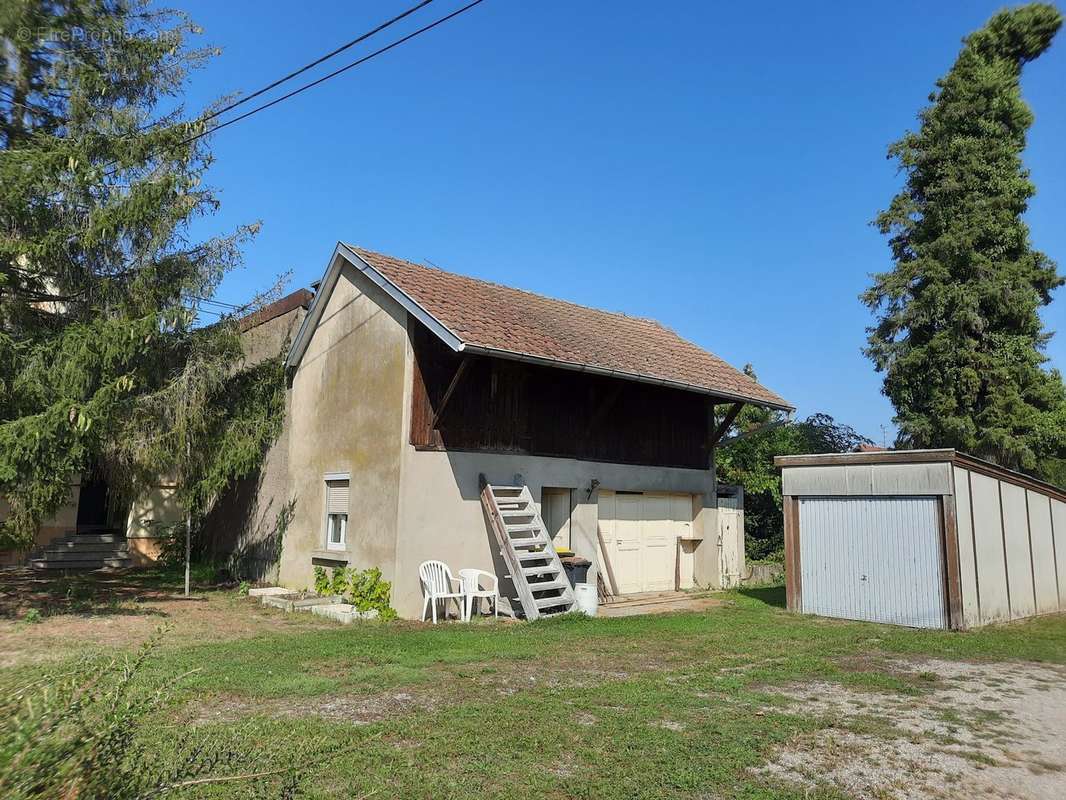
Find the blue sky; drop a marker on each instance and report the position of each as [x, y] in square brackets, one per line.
[711, 165]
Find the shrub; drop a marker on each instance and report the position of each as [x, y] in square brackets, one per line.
[76, 733]
[363, 589]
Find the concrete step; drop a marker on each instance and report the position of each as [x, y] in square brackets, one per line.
[82, 555]
[96, 538]
[85, 547]
[82, 563]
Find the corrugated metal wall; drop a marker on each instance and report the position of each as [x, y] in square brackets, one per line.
[873, 558]
[1012, 549]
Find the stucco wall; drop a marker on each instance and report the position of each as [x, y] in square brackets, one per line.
[441, 515]
[247, 525]
[62, 522]
[347, 416]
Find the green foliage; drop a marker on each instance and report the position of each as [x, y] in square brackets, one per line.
[77, 732]
[322, 581]
[103, 363]
[243, 588]
[958, 334]
[749, 462]
[364, 589]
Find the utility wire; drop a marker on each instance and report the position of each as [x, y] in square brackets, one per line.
[324, 78]
[317, 61]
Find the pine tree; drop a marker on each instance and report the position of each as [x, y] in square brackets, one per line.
[100, 176]
[958, 335]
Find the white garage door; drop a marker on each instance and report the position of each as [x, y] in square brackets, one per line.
[640, 531]
[872, 558]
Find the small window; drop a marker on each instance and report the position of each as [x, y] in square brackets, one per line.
[336, 514]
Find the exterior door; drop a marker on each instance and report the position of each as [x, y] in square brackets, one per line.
[873, 558]
[640, 531]
[555, 511]
[628, 542]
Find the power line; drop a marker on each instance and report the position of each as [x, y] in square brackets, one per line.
[324, 78]
[317, 61]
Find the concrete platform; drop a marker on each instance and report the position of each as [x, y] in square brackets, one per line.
[343, 612]
[269, 591]
[630, 605]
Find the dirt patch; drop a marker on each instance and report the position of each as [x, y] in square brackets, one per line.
[996, 729]
[91, 613]
[352, 709]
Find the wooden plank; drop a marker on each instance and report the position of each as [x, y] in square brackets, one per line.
[730, 417]
[793, 587]
[949, 530]
[606, 560]
[448, 393]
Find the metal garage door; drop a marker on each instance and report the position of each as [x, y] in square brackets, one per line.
[872, 558]
[640, 531]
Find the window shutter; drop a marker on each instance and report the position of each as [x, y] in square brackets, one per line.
[336, 497]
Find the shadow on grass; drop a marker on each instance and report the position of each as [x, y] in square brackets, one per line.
[769, 595]
[92, 593]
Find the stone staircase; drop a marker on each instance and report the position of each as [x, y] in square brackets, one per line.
[83, 551]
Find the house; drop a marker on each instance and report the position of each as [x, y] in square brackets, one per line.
[408, 383]
[95, 529]
[923, 538]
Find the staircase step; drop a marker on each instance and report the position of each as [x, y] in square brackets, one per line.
[97, 551]
[533, 542]
[86, 547]
[549, 586]
[547, 569]
[83, 563]
[532, 555]
[95, 538]
[522, 526]
[552, 602]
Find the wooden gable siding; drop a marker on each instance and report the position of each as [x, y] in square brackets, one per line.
[507, 406]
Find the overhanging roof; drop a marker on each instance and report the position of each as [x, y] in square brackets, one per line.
[476, 316]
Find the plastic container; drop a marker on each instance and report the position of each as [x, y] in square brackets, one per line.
[587, 601]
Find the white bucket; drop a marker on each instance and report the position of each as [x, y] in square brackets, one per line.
[587, 601]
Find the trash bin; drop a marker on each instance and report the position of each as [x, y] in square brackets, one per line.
[577, 569]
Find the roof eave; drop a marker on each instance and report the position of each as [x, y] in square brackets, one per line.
[513, 355]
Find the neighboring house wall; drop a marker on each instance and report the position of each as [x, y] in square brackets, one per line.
[248, 524]
[346, 416]
[60, 523]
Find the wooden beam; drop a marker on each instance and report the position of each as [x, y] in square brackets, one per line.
[949, 529]
[793, 586]
[730, 417]
[448, 393]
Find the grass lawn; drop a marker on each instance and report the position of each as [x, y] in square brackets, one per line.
[667, 706]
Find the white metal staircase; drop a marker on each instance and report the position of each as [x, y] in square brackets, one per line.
[536, 571]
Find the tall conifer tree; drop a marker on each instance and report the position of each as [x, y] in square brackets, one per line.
[100, 176]
[958, 334]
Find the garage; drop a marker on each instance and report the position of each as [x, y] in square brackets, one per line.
[923, 538]
[640, 532]
[852, 564]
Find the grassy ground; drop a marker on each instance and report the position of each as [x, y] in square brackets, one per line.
[669, 706]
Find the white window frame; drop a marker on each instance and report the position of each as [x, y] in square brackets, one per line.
[329, 519]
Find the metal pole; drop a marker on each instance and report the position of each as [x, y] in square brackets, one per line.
[188, 522]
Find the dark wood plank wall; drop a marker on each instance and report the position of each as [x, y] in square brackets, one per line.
[507, 406]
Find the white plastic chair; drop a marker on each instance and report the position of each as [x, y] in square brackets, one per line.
[437, 582]
[471, 580]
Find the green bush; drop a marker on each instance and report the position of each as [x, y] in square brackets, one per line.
[364, 589]
[77, 733]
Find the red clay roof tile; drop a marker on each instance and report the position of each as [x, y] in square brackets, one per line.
[488, 315]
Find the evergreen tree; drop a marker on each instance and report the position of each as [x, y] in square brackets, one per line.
[958, 334]
[100, 176]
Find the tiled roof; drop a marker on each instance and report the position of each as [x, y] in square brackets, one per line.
[499, 318]
[301, 298]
